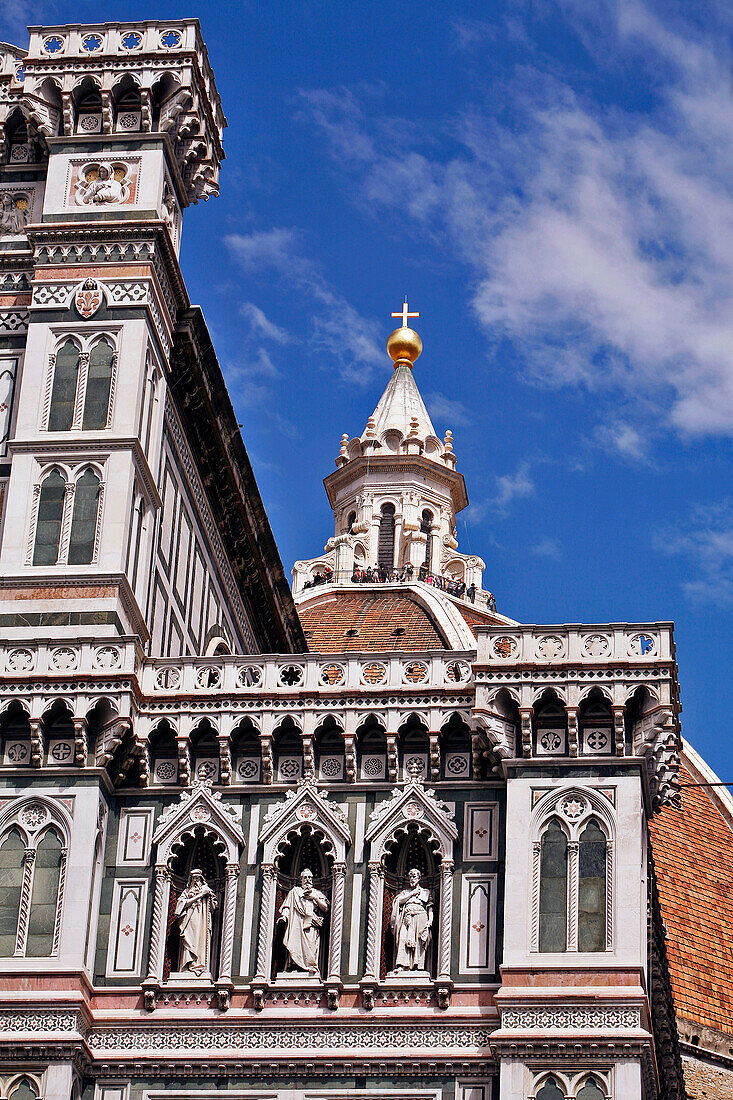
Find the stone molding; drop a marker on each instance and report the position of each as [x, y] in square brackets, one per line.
[571, 1018]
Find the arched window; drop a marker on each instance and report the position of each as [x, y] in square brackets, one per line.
[84, 519]
[63, 394]
[88, 108]
[426, 524]
[24, 1089]
[591, 1090]
[592, 890]
[99, 382]
[385, 545]
[350, 521]
[45, 896]
[553, 889]
[48, 522]
[127, 107]
[12, 852]
[551, 1090]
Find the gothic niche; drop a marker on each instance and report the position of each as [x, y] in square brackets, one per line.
[194, 910]
[302, 908]
[411, 888]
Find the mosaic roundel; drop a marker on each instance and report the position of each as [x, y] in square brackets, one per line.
[415, 765]
[206, 769]
[248, 769]
[373, 766]
[331, 769]
[165, 770]
[505, 648]
[33, 815]
[573, 807]
[290, 769]
[551, 741]
[457, 764]
[598, 739]
[61, 752]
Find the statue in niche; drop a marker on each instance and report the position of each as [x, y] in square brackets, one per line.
[303, 912]
[13, 220]
[194, 913]
[411, 923]
[104, 189]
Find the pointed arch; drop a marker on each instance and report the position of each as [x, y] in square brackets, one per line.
[85, 518]
[49, 518]
[100, 371]
[65, 383]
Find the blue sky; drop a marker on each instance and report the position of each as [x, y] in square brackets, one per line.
[552, 185]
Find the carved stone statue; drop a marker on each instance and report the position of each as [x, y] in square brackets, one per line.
[104, 189]
[12, 219]
[411, 923]
[194, 911]
[303, 912]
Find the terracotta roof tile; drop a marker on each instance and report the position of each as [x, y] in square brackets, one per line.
[693, 854]
[374, 616]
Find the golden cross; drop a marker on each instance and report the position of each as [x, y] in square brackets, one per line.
[404, 314]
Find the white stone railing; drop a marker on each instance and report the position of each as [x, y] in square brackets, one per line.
[305, 673]
[642, 643]
[68, 658]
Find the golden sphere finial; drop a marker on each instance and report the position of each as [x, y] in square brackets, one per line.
[404, 345]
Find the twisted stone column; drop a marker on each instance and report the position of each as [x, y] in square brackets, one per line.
[157, 931]
[59, 901]
[24, 908]
[446, 919]
[374, 916]
[337, 922]
[267, 914]
[228, 918]
[536, 865]
[573, 847]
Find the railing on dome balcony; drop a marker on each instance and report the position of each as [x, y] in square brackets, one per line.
[374, 575]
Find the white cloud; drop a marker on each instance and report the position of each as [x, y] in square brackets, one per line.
[548, 548]
[622, 439]
[598, 238]
[445, 408]
[351, 341]
[515, 486]
[262, 325]
[264, 248]
[706, 544]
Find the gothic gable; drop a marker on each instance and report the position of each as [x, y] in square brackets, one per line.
[307, 805]
[199, 807]
[410, 805]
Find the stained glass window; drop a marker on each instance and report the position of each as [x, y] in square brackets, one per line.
[99, 381]
[553, 889]
[592, 890]
[63, 394]
[45, 895]
[48, 524]
[12, 851]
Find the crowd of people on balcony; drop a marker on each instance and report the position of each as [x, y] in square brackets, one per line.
[381, 574]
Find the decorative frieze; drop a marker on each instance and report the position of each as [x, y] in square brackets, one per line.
[571, 1018]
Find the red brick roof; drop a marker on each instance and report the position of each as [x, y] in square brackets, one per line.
[693, 853]
[475, 617]
[375, 616]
